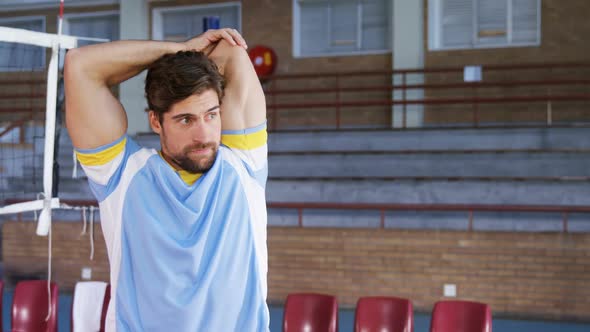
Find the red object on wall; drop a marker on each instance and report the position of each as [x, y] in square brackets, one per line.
[264, 60]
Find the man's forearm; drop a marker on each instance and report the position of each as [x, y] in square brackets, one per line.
[229, 59]
[115, 62]
[243, 105]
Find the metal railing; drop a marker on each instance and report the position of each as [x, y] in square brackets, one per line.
[333, 90]
[470, 209]
[336, 93]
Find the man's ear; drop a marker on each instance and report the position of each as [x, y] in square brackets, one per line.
[155, 122]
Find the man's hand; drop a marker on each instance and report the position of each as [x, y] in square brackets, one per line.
[206, 41]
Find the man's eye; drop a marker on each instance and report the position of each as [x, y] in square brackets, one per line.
[185, 121]
[212, 116]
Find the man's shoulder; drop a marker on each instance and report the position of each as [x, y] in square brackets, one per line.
[243, 166]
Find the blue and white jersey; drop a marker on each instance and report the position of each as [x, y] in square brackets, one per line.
[186, 252]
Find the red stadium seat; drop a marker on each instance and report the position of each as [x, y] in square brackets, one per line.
[29, 307]
[384, 314]
[461, 316]
[310, 313]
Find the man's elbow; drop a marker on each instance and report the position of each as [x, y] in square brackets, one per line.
[225, 51]
[72, 63]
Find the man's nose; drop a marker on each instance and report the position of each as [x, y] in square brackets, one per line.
[200, 131]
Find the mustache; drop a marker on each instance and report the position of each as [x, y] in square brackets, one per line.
[199, 146]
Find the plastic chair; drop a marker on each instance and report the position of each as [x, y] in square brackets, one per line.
[29, 307]
[383, 314]
[310, 313]
[103, 305]
[461, 316]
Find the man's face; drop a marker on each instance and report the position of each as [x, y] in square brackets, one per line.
[190, 132]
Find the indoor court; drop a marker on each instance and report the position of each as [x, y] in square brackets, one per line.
[427, 163]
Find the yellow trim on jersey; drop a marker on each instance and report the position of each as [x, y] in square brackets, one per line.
[245, 141]
[189, 178]
[101, 157]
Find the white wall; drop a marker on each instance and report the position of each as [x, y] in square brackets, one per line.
[134, 25]
[408, 52]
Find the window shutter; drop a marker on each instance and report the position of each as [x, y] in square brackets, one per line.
[176, 26]
[492, 22]
[465, 24]
[314, 27]
[343, 26]
[182, 25]
[525, 21]
[375, 24]
[97, 27]
[457, 23]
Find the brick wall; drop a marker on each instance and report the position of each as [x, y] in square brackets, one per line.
[518, 274]
[564, 38]
[25, 254]
[269, 22]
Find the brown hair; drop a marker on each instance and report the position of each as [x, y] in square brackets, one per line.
[175, 77]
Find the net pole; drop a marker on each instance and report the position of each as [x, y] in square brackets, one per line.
[45, 218]
[44, 225]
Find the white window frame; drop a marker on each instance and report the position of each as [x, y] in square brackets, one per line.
[158, 13]
[26, 19]
[66, 25]
[68, 17]
[435, 30]
[297, 38]
[9, 5]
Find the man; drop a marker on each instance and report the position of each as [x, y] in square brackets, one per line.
[185, 227]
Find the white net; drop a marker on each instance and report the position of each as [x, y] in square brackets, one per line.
[22, 122]
[28, 115]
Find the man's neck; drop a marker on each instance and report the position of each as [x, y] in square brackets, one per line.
[186, 176]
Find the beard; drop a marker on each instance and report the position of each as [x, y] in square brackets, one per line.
[202, 163]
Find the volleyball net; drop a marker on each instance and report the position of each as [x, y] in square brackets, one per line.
[30, 121]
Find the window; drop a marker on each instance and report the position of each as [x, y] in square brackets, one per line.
[101, 25]
[9, 5]
[104, 25]
[461, 24]
[21, 57]
[341, 27]
[182, 23]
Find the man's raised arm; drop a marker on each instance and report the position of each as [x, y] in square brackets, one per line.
[244, 104]
[94, 117]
